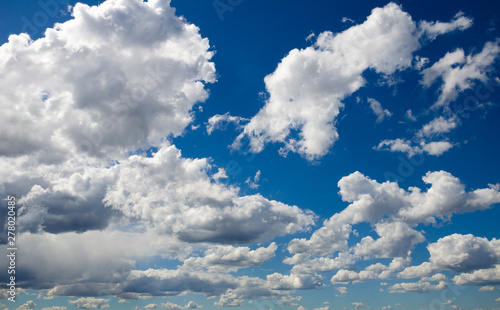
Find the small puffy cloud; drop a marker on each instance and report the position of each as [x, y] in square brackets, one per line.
[398, 145]
[172, 306]
[344, 276]
[420, 287]
[458, 71]
[27, 306]
[218, 122]
[90, 303]
[151, 306]
[419, 63]
[231, 258]
[486, 288]
[422, 270]
[412, 148]
[376, 271]
[88, 92]
[358, 305]
[319, 264]
[436, 148]
[342, 290]
[255, 182]
[376, 107]
[431, 30]
[438, 125]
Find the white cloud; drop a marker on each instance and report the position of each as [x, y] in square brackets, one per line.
[342, 290]
[307, 88]
[371, 200]
[409, 115]
[433, 29]
[106, 82]
[344, 276]
[459, 253]
[180, 198]
[27, 306]
[218, 122]
[55, 308]
[308, 85]
[359, 305]
[151, 306]
[490, 276]
[376, 271]
[435, 148]
[172, 306]
[255, 182]
[90, 303]
[438, 125]
[420, 287]
[486, 288]
[396, 239]
[458, 71]
[464, 252]
[376, 107]
[393, 211]
[230, 258]
[232, 290]
[398, 145]
[319, 264]
[422, 270]
[420, 62]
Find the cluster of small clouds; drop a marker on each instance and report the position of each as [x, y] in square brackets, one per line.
[458, 73]
[307, 89]
[88, 193]
[394, 214]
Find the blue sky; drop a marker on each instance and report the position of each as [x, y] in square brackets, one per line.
[251, 154]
